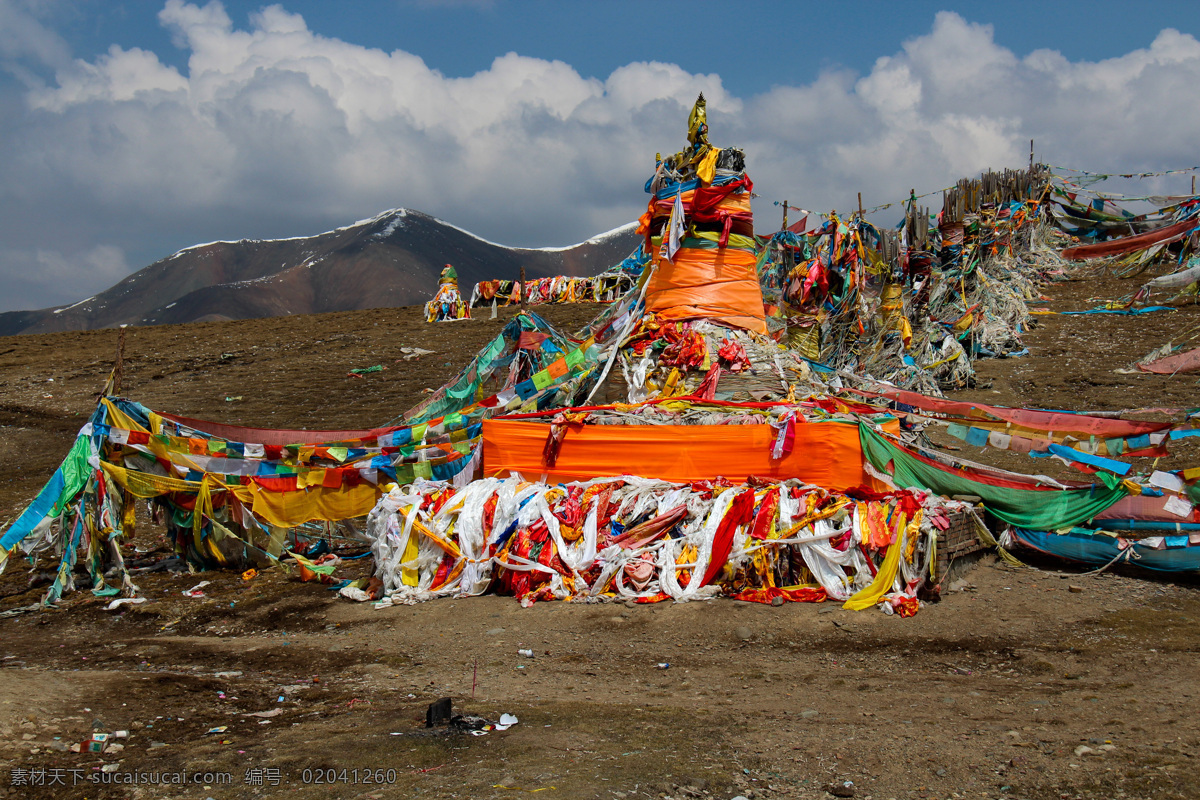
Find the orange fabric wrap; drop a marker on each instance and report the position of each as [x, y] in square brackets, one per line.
[721, 285]
[827, 454]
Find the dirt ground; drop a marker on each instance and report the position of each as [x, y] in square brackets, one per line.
[1027, 683]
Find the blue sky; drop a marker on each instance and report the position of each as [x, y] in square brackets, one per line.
[770, 42]
[133, 129]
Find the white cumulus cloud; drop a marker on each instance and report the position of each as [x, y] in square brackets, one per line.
[275, 130]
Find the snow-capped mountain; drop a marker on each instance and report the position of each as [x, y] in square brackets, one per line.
[392, 259]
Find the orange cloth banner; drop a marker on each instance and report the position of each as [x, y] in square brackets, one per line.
[703, 283]
[826, 454]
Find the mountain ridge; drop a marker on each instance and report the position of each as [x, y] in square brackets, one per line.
[391, 259]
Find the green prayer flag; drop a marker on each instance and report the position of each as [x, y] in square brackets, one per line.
[1036, 509]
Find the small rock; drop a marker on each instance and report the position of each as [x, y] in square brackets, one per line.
[495, 631]
[843, 789]
[231, 674]
[631, 603]
[58, 746]
[941, 773]
[948, 700]
[809, 713]
[777, 601]
[1073, 589]
[1083, 750]
[743, 633]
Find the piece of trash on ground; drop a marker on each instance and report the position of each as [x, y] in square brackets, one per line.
[195, 591]
[274, 712]
[115, 604]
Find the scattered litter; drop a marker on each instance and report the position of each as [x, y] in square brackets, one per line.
[354, 593]
[115, 604]
[195, 591]
[218, 729]
[13, 612]
[471, 723]
[413, 353]
[274, 712]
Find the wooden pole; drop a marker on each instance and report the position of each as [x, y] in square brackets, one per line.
[120, 371]
[860, 213]
[1031, 155]
[521, 291]
[785, 210]
[1193, 185]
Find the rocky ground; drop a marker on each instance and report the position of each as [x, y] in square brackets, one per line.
[1027, 682]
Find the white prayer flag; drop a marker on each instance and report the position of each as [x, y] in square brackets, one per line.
[675, 228]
